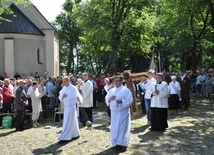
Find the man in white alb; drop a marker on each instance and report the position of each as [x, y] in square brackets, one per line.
[119, 99]
[70, 96]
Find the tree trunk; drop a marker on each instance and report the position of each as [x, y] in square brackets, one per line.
[70, 59]
[194, 62]
[114, 45]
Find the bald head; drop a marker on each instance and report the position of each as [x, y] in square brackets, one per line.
[66, 81]
[6, 82]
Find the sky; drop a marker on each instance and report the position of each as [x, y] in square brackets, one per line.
[49, 8]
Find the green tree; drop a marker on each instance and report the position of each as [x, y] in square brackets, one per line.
[185, 25]
[4, 9]
[114, 30]
[68, 33]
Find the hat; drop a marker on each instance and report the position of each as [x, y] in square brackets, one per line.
[21, 81]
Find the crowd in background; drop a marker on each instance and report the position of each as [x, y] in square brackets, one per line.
[201, 83]
[158, 93]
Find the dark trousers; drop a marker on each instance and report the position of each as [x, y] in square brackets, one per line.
[85, 114]
[20, 117]
[29, 107]
[44, 106]
[44, 102]
[94, 98]
[108, 111]
[199, 86]
[185, 102]
[99, 95]
[7, 107]
[143, 107]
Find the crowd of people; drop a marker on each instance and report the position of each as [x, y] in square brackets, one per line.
[158, 93]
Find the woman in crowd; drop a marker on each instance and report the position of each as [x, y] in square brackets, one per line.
[36, 103]
[78, 85]
[174, 95]
[209, 85]
[108, 86]
[142, 92]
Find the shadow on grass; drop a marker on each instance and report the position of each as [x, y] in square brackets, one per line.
[104, 127]
[6, 133]
[140, 129]
[111, 151]
[51, 149]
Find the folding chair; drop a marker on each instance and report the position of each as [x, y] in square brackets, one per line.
[58, 113]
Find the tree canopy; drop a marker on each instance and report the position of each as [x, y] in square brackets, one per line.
[116, 35]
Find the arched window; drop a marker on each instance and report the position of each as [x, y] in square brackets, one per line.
[40, 56]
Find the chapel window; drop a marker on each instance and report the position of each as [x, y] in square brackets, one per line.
[40, 56]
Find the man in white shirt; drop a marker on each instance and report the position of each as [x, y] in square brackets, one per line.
[148, 88]
[198, 83]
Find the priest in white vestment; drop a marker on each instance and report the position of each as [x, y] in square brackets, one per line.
[119, 99]
[70, 96]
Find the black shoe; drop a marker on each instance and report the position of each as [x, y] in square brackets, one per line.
[151, 129]
[19, 129]
[63, 141]
[74, 138]
[121, 148]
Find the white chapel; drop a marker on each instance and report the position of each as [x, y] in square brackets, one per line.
[28, 43]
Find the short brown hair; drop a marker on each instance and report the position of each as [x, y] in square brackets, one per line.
[35, 83]
[118, 78]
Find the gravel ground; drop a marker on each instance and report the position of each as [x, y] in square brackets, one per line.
[189, 132]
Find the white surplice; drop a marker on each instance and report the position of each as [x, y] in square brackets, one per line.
[120, 115]
[160, 100]
[70, 127]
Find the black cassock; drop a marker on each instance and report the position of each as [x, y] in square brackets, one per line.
[159, 119]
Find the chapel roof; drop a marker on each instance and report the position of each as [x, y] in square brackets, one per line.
[18, 23]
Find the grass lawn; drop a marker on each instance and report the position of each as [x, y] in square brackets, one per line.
[189, 132]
